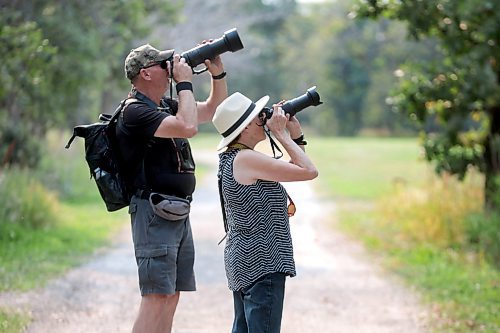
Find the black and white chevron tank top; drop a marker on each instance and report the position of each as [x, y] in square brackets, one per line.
[259, 240]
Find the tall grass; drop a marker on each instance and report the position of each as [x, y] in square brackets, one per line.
[42, 234]
[430, 230]
[25, 201]
[433, 213]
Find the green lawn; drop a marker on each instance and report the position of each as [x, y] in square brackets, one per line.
[355, 168]
[365, 168]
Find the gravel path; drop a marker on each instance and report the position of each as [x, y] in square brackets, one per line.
[337, 288]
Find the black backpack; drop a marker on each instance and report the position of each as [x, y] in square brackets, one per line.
[101, 153]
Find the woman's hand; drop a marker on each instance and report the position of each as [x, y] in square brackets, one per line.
[294, 127]
[277, 123]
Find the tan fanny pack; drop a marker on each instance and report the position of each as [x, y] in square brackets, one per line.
[169, 207]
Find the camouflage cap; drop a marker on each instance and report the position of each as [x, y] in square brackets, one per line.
[144, 56]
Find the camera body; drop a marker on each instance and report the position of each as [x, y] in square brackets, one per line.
[230, 41]
[311, 97]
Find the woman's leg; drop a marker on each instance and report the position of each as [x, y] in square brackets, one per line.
[263, 304]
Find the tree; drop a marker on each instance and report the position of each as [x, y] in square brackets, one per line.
[58, 60]
[456, 100]
[351, 61]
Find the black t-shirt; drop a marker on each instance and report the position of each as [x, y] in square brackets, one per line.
[168, 162]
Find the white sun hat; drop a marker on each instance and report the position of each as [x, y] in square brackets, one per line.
[234, 114]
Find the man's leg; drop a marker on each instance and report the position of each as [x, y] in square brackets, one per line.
[156, 313]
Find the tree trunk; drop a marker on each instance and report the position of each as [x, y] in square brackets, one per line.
[492, 160]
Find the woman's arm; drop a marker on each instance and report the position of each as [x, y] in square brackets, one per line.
[251, 165]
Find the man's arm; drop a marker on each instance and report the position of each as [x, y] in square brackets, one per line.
[218, 91]
[185, 123]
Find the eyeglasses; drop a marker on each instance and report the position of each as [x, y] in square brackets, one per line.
[163, 64]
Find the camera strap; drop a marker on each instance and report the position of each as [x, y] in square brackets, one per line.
[274, 145]
[171, 80]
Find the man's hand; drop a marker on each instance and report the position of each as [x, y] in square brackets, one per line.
[182, 72]
[214, 66]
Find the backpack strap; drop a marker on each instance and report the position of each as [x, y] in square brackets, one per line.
[70, 141]
[123, 104]
[105, 117]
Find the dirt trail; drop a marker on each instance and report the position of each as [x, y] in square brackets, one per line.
[337, 288]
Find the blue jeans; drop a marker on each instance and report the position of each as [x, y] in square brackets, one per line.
[258, 308]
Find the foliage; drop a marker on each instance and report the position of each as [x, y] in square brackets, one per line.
[431, 214]
[25, 202]
[456, 100]
[483, 235]
[30, 257]
[63, 59]
[435, 236]
[350, 61]
[27, 63]
[463, 294]
[428, 229]
[18, 146]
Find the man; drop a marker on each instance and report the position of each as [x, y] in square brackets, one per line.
[152, 134]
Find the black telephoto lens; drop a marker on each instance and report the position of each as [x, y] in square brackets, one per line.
[230, 41]
[311, 97]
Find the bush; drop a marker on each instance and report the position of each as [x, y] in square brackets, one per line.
[483, 235]
[446, 214]
[25, 201]
[18, 147]
[432, 214]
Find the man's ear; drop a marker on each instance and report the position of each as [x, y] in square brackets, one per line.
[144, 73]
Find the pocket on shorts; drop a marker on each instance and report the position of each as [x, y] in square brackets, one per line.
[132, 209]
[157, 266]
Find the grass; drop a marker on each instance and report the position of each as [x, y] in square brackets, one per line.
[461, 288]
[416, 223]
[30, 256]
[364, 168]
[354, 168]
[464, 295]
[11, 322]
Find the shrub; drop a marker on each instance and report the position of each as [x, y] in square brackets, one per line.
[25, 201]
[18, 147]
[432, 214]
[483, 235]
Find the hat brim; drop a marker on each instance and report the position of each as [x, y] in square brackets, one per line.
[259, 105]
[165, 55]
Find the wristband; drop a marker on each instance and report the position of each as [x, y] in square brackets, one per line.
[184, 85]
[300, 140]
[220, 76]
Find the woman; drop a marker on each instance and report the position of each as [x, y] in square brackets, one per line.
[258, 253]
